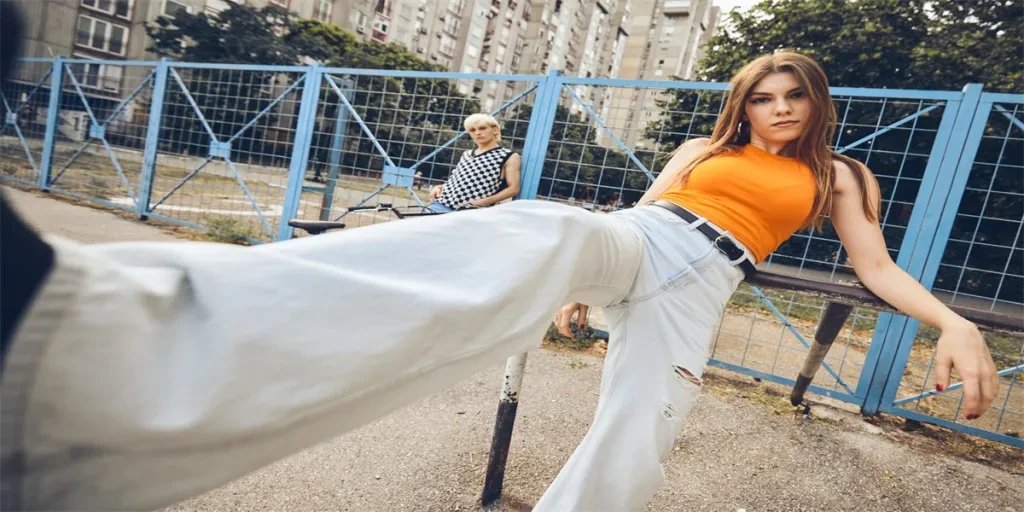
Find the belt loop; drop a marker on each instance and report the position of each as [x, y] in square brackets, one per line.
[698, 223]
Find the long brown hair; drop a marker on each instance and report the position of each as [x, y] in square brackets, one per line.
[814, 145]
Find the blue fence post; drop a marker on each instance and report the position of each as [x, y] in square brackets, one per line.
[538, 133]
[156, 110]
[941, 212]
[337, 145]
[300, 149]
[535, 151]
[52, 119]
[895, 334]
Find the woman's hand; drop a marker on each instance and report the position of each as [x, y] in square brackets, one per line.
[564, 316]
[962, 346]
[435, 192]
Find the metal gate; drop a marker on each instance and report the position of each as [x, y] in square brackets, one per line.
[94, 135]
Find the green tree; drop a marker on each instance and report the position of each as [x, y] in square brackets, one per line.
[895, 44]
[905, 44]
[239, 34]
[229, 99]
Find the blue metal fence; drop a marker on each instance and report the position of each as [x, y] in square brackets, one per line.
[247, 148]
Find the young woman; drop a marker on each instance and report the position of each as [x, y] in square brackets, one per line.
[144, 373]
[767, 171]
[484, 176]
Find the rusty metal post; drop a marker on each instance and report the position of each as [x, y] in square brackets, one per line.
[828, 329]
[507, 405]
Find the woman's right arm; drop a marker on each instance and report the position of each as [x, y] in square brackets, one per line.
[670, 173]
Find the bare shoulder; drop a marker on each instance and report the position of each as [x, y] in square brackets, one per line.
[698, 143]
[844, 172]
[689, 149]
[849, 177]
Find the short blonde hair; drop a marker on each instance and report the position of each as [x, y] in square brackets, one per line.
[480, 119]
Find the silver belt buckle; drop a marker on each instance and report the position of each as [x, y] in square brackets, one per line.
[719, 244]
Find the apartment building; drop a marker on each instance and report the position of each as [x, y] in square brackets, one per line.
[665, 39]
[581, 38]
[327, 11]
[468, 36]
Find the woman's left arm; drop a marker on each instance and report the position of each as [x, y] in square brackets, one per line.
[961, 344]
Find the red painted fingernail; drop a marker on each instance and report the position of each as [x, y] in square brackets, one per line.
[939, 387]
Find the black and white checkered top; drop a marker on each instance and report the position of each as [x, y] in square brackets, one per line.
[475, 177]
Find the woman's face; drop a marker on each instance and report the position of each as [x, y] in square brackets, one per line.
[778, 110]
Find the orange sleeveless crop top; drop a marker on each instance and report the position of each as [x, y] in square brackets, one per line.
[759, 197]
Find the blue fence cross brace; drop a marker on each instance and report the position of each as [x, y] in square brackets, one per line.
[222, 149]
[12, 120]
[97, 129]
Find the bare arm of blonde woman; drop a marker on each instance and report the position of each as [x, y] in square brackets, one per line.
[961, 344]
[668, 177]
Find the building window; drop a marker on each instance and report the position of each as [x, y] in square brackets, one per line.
[472, 51]
[447, 46]
[173, 8]
[357, 19]
[457, 6]
[451, 24]
[380, 29]
[100, 35]
[120, 8]
[97, 76]
[322, 10]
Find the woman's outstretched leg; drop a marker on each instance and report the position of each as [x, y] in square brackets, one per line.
[156, 371]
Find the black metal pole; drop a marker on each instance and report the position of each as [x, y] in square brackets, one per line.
[503, 424]
[828, 329]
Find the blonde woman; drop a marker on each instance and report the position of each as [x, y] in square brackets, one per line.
[484, 176]
[146, 373]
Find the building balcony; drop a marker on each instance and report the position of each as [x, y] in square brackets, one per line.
[678, 7]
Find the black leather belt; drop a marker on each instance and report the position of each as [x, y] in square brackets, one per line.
[722, 242]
